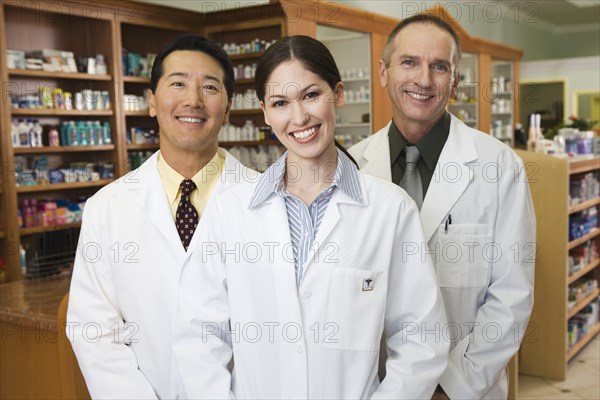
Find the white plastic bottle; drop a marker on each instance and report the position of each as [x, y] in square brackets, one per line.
[14, 134]
[39, 130]
[23, 134]
[248, 130]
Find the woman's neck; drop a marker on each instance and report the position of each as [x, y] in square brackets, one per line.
[306, 178]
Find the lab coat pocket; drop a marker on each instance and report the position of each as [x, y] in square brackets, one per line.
[356, 308]
[463, 259]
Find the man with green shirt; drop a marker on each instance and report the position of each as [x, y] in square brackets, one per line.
[475, 206]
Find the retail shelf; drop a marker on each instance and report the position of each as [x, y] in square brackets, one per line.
[595, 232]
[244, 81]
[136, 79]
[62, 149]
[580, 305]
[137, 113]
[149, 146]
[589, 267]
[462, 104]
[58, 75]
[53, 228]
[584, 205]
[583, 341]
[249, 111]
[502, 113]
[356, 125]
[247, 56]
[350, 80]
[62, 186]
[584, 164]
[51, 111]
[250, 143]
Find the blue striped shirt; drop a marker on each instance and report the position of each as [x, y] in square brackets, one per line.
[304, 221]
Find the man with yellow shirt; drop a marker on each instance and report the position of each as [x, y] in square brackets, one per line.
[138, 232]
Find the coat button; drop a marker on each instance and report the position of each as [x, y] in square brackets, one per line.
[306, 293]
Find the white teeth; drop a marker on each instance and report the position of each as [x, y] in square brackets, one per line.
[304, 134]
[190, 120]
[419, 96]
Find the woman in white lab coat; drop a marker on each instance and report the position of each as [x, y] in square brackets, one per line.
[304, 270]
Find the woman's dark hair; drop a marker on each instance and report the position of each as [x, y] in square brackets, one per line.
[193, 42]
[311, 53]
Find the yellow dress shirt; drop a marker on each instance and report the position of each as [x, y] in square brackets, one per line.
[206, 179]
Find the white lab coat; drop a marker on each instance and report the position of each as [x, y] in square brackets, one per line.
[320, 341]
[125, 282]
[480, 183]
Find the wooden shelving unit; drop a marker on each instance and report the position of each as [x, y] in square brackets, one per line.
[22, 27]
[583, 341]
[53, 228]
[545, 351]
[584, 205]
[50, 111]
[62, 186]
[63, 149]
[136, 79]
[58, 75]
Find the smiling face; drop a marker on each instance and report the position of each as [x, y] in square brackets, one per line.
[421, 77]
[190, 103]
[300, 107]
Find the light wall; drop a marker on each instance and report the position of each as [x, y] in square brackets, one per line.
[491, 21]
[579, 74]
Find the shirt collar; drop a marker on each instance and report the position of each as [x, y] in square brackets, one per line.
[430, 146]
[271, 181]
[204, 178]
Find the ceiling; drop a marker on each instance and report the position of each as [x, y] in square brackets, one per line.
[559, 13]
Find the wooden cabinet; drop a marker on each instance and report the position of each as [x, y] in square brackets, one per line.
[547, 348]
[484, 64]
[106, 28]
[352, 54]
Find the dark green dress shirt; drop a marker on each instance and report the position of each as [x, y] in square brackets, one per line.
[430, 148]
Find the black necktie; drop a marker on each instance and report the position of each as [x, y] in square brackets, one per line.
[186, 217]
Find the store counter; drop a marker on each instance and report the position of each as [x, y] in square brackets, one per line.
[36, 360]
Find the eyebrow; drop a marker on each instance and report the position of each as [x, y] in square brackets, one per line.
[302, 91]
[186, 75]
[435, 60]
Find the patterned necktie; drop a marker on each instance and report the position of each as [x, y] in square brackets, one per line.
[186, 217]
[411, 181]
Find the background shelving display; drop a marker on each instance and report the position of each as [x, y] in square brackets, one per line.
[466, 104]
[567, 272]
[26, 27]
[351, 51]
[502, 101]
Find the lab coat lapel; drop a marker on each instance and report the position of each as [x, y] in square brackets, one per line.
[377, 155]
[451, 177]
[232, 172]
[278, 225]
[151, 197]
[332, 216]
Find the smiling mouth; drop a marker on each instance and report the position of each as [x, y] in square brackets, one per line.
[191, 120]
[418, 96]
[305, 134]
